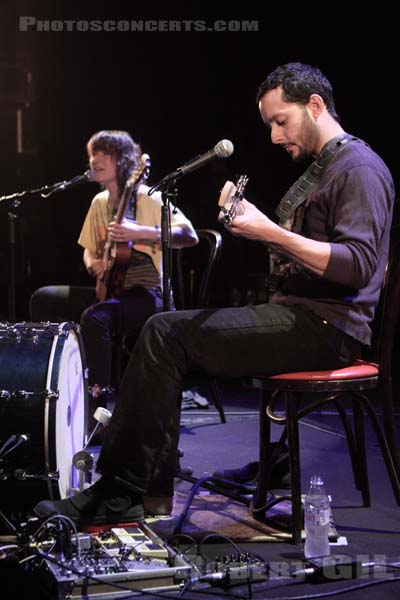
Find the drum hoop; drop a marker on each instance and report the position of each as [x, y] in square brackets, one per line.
[47, 402]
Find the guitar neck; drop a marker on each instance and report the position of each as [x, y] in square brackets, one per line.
[123, 205]
[116, 256]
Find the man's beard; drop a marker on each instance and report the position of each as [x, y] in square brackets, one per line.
[308, 136]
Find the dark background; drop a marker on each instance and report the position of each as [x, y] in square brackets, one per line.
[177, 93]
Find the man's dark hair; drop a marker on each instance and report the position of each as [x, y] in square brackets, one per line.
[121, 147]
[298, 82]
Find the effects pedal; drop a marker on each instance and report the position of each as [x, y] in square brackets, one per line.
[238, 569]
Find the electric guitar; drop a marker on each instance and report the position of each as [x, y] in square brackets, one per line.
[117, 255]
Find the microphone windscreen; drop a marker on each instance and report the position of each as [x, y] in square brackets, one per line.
[224, 148]
[90, 174]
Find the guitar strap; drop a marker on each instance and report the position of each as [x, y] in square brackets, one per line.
[292, 206]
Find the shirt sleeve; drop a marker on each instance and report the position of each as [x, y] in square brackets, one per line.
[360, 216]
[94, 230]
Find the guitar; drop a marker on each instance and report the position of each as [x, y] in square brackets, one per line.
[230, 213]
[117, 255]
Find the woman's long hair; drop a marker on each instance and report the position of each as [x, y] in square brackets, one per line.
[122, 148]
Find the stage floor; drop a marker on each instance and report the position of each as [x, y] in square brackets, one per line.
[365, 534]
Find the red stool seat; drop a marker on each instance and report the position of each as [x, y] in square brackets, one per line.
[360, 369]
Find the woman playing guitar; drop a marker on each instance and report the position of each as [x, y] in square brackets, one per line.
[130, 294]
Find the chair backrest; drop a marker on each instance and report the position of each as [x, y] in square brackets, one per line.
[387, 317]
[194, 268]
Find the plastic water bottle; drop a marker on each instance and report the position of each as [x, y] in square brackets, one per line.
[316, 519]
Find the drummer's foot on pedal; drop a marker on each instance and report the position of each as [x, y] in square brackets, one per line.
[106, 501]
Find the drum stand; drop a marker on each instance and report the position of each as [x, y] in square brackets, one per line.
[9, 445]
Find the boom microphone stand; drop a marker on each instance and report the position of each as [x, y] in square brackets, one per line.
[45, 191]
[167, 185]
[13, 216]
[169, 193]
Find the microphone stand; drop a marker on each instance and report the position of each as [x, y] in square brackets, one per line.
[169, 193]
[13, 216]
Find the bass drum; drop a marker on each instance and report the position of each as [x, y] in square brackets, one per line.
[43, 411]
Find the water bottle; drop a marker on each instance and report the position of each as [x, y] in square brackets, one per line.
[316, 519]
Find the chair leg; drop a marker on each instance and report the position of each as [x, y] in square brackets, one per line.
[350, 443]
[291, 403]
[265, 466]
[359, 431]
[385, 449]
[217, 398]
[392, 435]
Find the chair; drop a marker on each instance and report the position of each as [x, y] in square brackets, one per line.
[355, 382]
[193, 268]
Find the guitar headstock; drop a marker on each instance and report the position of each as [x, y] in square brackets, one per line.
[240, 186]
[141, 171]
[232, 202]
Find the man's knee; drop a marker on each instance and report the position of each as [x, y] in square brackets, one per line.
[89, 316]
[161, 323]
[98, 317]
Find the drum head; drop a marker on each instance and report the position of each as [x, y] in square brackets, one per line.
[70, 421]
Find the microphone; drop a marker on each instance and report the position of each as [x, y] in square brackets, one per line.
[47, 191]
[223, 149]
[16, 442]
[88, 175]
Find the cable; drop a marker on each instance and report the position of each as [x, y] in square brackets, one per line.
[221, 537]
[391, 565]
[207, 578]
[8, 547]
[217, 536]
[65, 520]
[27, 559]
[182, 535]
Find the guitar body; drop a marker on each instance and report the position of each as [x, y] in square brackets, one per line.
[112, 283]
[116, 255]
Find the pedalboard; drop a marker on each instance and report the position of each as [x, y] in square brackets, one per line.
[108, 563]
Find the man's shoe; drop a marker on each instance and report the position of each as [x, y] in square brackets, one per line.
[104, 502]
[248, 475]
